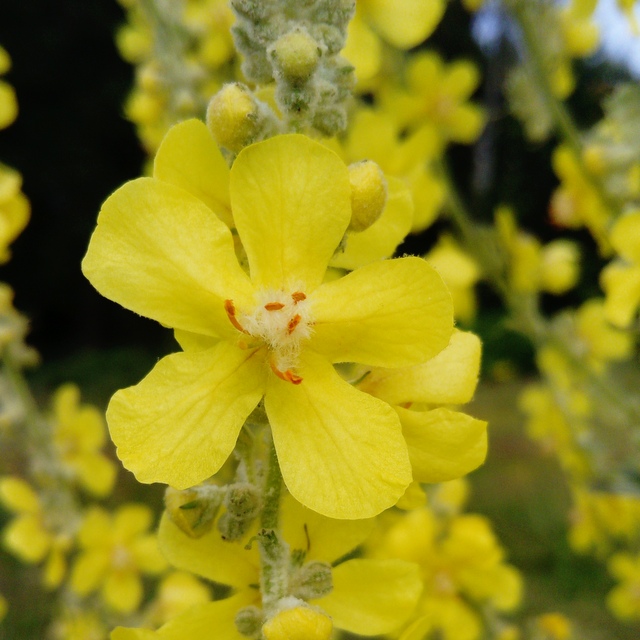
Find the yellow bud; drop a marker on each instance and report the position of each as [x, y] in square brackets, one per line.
[232, 117]
[191, 513]
[559, 268]
[368, 194]
[296, 54]
[299, 623]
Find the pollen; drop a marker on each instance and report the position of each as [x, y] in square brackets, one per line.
[230, 308]
[280, 321]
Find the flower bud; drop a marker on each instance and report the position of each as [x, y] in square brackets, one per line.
[249, 621]
[296, 55]
[368, 194]
[190, 512]
[243, 501]
[560, 266]
[233, 529]
[299, 623]
[232, 117]
[312, 580]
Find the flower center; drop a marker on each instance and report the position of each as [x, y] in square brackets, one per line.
[281, 321]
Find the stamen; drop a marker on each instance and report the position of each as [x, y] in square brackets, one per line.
[287, 376]
[230, 308]
[274, 306]
[298, 296]
[293, 323]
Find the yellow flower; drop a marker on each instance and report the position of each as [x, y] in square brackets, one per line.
[162, 252]
[443, 444]
[533, 267]
[402, 23]
[462, 568]
[576, 202]
[367, 597]
[8, 101]
[79, 625]
[31, 536]
[115, 550]
[437, 94]
[14, 210]
[624, 599]
[176, 593]
[460, 273]
[79, 434]
[620, 279]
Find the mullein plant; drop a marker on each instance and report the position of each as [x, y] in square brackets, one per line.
[308, 426]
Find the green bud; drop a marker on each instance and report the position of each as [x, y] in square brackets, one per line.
[249, 621]
[243, 501]
[232, 529]
[312, 580]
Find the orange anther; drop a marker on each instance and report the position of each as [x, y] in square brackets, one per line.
[230, 308]
[298, 296]
[287, 376]
[274, 306]
[293, 323]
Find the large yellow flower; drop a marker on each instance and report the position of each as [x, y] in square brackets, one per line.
[162, 252]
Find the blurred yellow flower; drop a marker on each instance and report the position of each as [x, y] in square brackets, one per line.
[114, 550]
[624, 599]
[462, 568]
[79, 432]
[8, 101]
[14, 210]
[620, 279]
[437, 94]
[31, 536]
[401, 23]
[273, 334]
[460, 273]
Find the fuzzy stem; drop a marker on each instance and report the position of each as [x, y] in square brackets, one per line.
[274, 551]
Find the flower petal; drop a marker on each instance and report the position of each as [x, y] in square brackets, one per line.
[450, 377]
[372, 597]
[443, 444]
[26, 538]
[189, 158]
[291, 201]
[320, 538]
[405, 23]
[122, 591]
[209, 620]
[210, 556]
[341, 451]
[388, 314]
[180, 424]
[382, 238]
[159, 251]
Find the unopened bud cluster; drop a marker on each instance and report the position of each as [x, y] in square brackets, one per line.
[243, 504]
[298, 46]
